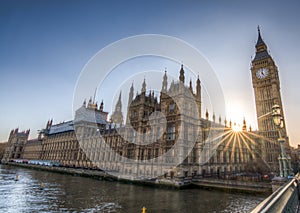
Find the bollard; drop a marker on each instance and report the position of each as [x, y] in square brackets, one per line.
[144, 210]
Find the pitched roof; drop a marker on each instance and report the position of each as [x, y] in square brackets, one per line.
[89, 115]
[261, 55]
[260, 41]
[62, 127]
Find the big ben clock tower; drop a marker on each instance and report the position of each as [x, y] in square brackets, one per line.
[266, 86]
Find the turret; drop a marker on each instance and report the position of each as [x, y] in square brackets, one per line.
[117, 116]
[191, 86]
[181, 76]
[130, 97]
[101, 106]
[119, 103]
[198, 89]
[244, 125]
[144, 87]
[165, 83]
[206, 115]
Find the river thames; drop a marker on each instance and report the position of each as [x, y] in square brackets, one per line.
[66, 193]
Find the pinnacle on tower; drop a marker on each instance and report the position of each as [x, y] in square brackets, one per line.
[144, 86]
[191, 86]
[181, 76]
[130, 98]
[101, 106]
[119, 103]
[117, 116]
[198, 88]
[259, 40]
[244, 125]
[260, 44]
[165, 82]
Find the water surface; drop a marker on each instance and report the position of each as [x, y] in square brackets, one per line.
[66, 193]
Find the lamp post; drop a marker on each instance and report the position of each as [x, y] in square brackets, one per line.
[278, 121]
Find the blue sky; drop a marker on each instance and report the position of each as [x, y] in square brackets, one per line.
[45, 45]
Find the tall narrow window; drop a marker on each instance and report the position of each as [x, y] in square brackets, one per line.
[171, 132]
[172, 107]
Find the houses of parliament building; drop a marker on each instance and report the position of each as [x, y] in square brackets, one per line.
[164, 136]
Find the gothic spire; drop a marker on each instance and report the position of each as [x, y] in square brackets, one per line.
[260, 44]
[119, 103]
[261, 48]
[198, 88]
[101, 106]
[130, 98]
[117, 116]
[244, 125]
[165, 82]
[181, 77]
[144, 86]
[191, 86]
[259, 40]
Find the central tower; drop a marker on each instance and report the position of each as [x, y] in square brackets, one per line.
[266, 86]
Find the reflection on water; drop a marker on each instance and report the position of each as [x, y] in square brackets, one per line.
[65, 193]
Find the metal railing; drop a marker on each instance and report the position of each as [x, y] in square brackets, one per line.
[284, 199]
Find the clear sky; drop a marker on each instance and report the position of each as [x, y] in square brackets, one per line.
[45, 44]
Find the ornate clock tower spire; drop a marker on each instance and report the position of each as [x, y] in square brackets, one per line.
[266, 84]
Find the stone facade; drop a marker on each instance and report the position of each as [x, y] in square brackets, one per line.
[33, 149]
[15, 145]
[163, 135]
[2, 149]
[266, 86]
[134, 149]
[178, 145]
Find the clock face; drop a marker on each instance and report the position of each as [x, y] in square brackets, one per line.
[262, 73]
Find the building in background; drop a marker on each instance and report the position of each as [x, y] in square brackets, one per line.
[2, 149]
[15, 145]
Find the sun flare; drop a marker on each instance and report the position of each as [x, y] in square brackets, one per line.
[236, 128]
